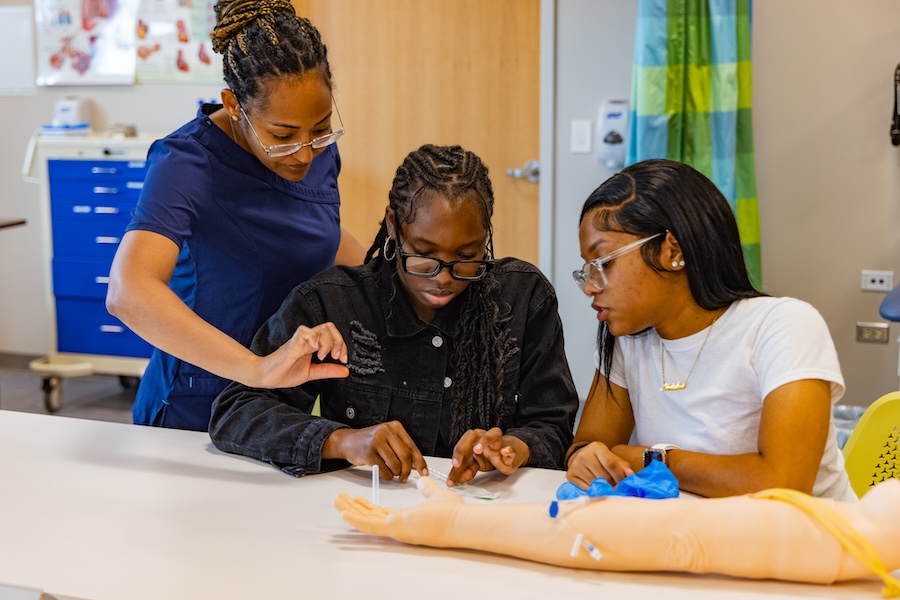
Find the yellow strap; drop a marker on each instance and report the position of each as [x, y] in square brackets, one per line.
[840, 528]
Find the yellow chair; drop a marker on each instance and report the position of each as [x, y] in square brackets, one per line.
[872, 452]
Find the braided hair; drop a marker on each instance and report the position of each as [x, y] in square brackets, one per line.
[260, 40]
[483, 343]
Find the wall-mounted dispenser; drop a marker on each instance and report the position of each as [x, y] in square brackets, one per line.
[612, 134]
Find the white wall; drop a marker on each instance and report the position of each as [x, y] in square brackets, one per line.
[594, 47]
[153, 108]
[828, 178]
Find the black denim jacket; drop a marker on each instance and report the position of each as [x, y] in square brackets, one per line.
[400, 369]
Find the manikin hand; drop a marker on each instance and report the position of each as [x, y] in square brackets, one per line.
[480, 450]
[423, 524]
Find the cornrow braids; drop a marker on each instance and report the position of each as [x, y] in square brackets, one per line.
[260, 40]
[483, 344]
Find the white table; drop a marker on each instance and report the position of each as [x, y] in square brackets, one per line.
[106, 511]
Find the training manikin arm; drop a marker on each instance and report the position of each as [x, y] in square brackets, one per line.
[740, 536]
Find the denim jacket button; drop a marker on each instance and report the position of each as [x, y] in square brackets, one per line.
[437, 341]
[350, 412]
[447, 382]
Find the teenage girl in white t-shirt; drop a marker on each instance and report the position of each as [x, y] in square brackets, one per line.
[731, 388]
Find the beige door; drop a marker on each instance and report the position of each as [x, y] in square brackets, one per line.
[410, 72]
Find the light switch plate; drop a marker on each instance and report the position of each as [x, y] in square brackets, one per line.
[580, 142]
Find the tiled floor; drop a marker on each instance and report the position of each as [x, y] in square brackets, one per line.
[97, 397]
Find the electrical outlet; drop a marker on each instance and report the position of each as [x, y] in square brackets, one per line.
[874, 333]
[877, 281]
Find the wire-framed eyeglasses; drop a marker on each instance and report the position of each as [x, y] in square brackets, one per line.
[280, 150]
[593, 272]
[419, 265]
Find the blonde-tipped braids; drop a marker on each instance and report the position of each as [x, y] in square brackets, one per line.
[260, 40]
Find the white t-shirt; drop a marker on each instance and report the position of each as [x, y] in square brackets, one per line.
[757, 345]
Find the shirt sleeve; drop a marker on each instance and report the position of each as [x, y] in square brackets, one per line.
[793, 344]
[178, 178]
[275, 426]
[547, 401]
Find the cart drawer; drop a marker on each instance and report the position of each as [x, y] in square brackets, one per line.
[77, 278]
[87, 239]
[96, 170]
[85, 327]
[88, 209]
[96, 192]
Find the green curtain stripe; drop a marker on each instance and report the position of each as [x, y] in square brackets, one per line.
[748, 220]
[725, 87]
[742, 31]
[699, 89]
[696, 32]
[696, 143]
[745, 84]
[674, 93]
[752, 258]
[648, 89]
[693, 100]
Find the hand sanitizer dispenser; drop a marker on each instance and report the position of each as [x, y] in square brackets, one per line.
[612, 132]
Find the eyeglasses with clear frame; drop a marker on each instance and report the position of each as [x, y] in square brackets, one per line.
[419, 265]
[281, 150]
[592, 272]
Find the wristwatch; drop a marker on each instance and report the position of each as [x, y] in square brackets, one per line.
[658, 452]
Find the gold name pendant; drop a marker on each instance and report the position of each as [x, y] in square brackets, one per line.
[672, 387]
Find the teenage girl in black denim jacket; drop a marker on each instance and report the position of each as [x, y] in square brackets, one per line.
[451, 353]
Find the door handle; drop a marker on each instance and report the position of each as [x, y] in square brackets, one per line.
[531, 171]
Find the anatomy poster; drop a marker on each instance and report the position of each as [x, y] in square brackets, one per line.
[173, 42]
[83, 42]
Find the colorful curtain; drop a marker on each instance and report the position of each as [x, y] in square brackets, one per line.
[691, 99]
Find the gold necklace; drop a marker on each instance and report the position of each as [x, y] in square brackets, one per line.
[680, 385]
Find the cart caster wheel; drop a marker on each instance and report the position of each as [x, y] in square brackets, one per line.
[129, 382]
[52, 387]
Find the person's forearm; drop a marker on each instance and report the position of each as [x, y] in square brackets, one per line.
[159, 316]
[350, 252]
[268, 425]
[333, 446]
[714, 476]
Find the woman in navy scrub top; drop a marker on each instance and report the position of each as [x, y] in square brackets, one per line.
[239, 206]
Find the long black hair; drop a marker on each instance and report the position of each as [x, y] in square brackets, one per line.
[483, 344]
[658, 195]
[261, 40]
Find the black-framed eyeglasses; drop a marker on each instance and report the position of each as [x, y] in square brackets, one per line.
[419, 265]
[280, 150]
